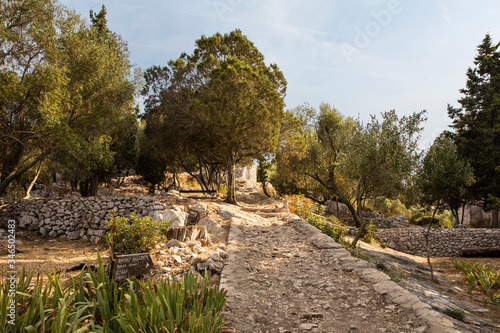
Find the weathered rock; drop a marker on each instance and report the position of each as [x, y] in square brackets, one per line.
[172, 243]
[74, 235]
[200, 208]
[224, 214]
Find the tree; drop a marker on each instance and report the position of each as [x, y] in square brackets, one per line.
[288, 173]
[334, 134]
[222, 101]
[29, 83]
[444, 176]
[99, 103]
[351, 161]
[383, 155]
[477, 127]
[65, 89]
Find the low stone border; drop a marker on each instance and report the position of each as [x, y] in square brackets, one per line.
[382, 284]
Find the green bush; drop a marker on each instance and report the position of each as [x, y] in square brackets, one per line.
[482, 276]
[388, 207]
[446, 220]
[458, 314]
[94, 303]
[425, 220]
[481, 223]
[307, 210]
[369, 234]
[134, 235]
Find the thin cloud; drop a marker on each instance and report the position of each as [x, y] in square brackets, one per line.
[443, 11]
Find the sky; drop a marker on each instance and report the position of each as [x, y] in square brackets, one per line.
[363, 57]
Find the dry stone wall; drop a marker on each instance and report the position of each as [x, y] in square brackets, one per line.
[83, 218]
[443, 242]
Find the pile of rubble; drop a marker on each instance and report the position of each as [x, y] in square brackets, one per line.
[178, 258]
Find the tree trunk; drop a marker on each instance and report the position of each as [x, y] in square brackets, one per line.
[231, 186]
[492, 252]
[18, 172]
[33, 181]
[463, 212]
[94, 185]
[338, 209]
[427, 247]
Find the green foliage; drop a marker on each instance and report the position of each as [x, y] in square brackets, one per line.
[476, 123]
[370, 229]
[92, 302]
[216, 106]
[127, 235]
[192, 307]
[306, 210]
[394, 272]
[393, 207]
[458, 314]
[443, 220]
[446, 219]
[67, 93]
[482, 276]
[425, 220]
[437, 181]
[481, 223]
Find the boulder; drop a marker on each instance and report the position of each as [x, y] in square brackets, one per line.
[175, 217]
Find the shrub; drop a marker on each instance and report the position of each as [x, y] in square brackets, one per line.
[94, 303]
[134, 235]
[446, 220]
[425, 220]
[482, 276]
[369, 236]
[307, 210]
[458, 314]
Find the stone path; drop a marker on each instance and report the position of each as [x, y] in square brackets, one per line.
[283, 275]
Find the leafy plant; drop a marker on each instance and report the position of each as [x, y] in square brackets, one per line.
[458, 314]
[307, 210]
[425, 220]
[369, 236]
[134, 235]
[394, 272]
[92, 302]
[482, 276]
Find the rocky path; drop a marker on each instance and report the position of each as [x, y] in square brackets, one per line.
[283, 275]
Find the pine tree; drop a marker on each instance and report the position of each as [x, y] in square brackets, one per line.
[477, 125]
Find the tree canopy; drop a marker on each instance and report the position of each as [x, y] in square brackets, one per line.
[444, 176]
[477, 125]
[66, 91]
[221, 104]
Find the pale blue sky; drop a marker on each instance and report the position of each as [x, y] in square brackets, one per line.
[361, 56]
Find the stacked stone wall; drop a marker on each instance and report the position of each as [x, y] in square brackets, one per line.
[443, 242]
[82, 218]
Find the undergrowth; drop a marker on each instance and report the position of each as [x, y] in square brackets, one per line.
[481, 277]
[308, 210]
[128, 235]
[92, 302]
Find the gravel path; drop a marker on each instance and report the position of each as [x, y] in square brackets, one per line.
[282, 276]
